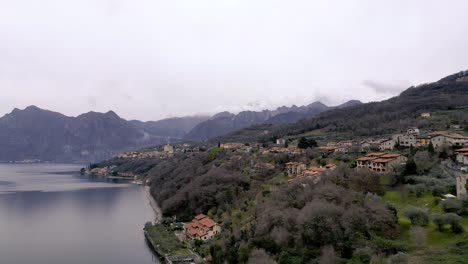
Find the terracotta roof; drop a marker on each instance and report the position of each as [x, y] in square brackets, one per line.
[207, 222]
[194, 231]
[437, 133]
[200, 216]
[457, 136]
[375, 154]
[366, 158]
[462, 150]
[317, 169]
[294, 163]
[328, 148]
[381, 160]
[390, 155]
[309, 173]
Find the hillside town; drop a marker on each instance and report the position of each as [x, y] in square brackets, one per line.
[306, 165]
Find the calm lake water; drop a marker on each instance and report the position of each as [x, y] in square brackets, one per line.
[49, 214]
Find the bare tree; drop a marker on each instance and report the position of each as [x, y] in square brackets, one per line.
[259, 256]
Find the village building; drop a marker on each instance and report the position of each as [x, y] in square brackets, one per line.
[412, 131]
[406, 140]
[442, 138]
[380, 161]
[202, 227]
[232, 145]
[288, 150]
[327, 150]
[462, 156]
[425, 115]
[387, 144]
[101, 171]
[370, 144]
[343, 146]
[462, 185]
[169, 148]
[294, 169]
[423, 140]
[261, 167]
[314, 173]
[281, 141]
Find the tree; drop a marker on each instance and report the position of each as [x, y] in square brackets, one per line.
[430, 148]
[439, 220]
[417, 216]
[424, 162]
[400, 258]
[410, 168]
[305, 143]
[454, 221]
[367, 182]
[449, 219]
[259, 256]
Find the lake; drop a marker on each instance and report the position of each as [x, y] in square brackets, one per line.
[50, 214]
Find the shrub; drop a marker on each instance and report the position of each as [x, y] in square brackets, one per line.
[417, 216]
[449, 219]
[451, 206]
[454, 221]
[400, 258]
[417, 189]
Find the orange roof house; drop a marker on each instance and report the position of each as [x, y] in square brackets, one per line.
[380, 161]
[201, 228]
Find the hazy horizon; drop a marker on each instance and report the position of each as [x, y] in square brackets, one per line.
[150, 60]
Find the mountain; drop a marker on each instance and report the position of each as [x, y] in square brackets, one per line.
[34, 133]
[225, 122]
[446, 99]
[176, 127]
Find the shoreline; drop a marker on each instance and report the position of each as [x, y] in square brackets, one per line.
[154, 206]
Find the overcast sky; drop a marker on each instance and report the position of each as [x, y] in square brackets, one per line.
[150, 59]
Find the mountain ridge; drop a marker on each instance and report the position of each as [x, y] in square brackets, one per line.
[225, 122]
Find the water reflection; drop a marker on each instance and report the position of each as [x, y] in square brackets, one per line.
[52, 217]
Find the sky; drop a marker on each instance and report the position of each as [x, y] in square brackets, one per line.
[152, 59]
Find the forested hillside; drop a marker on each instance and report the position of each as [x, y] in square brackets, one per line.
[378, 118]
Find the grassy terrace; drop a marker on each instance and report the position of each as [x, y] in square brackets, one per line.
[166, 242]
[441, 247]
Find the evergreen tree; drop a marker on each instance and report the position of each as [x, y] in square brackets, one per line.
[430, 148]
[303, 144]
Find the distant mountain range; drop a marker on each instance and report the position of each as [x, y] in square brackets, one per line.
[225, 122]
[38, 134]
[446, 100]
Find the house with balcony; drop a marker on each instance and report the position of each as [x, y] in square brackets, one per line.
[380, 162]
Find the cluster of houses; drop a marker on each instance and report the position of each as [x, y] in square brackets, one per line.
[202, 227]
[299, 170]
[412, 138]
[234, 146]
[166, 151]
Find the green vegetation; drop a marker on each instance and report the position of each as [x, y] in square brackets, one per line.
[165, 241]
[348, 215]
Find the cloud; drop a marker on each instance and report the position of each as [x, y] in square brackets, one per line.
[387, 87]
[152, 59]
